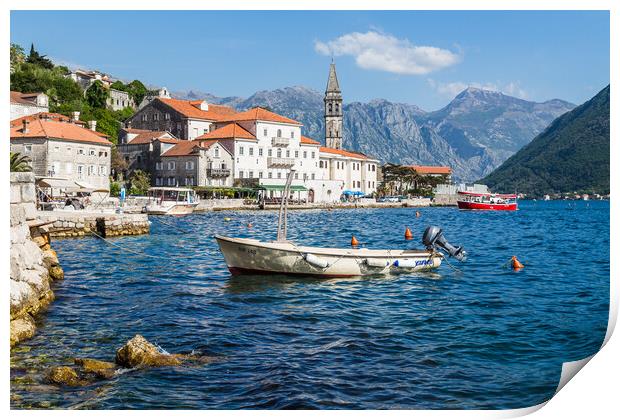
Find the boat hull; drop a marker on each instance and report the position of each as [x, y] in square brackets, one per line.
[174, 209]
[249, 256]
[468, 205]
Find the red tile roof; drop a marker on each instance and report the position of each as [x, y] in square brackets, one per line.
[149, 136]
[343, 153]
[24, 98]
[191, 109]
[186, 148]
[421, 169]
[260, 114]
[308, 140]
[229, 131]
[55, 129]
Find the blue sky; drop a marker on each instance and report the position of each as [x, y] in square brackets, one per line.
[418, 57]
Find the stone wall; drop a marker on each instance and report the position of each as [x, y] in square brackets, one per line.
[34, 264]
[68, 224]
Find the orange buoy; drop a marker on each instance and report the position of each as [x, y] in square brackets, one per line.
[408, 234]
[516, 264]
[354, 241]
[417, 214]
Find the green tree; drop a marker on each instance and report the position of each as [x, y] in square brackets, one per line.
[97, 94]
[140, 182]
[20, 163]
[18, 56]
[137, 91]
[118, 163]
[35, 58]
[118, 85]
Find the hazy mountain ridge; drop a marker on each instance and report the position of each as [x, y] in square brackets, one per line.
[473, 134]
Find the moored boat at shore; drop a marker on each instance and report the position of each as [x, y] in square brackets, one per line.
[486, 201]
[171, 201]
[251, 256]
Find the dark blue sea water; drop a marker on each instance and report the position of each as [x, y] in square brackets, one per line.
[484, 338]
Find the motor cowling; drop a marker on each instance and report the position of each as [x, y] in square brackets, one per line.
[433, 238]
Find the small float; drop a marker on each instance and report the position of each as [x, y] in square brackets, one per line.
[251, 256]
[486, 201]
[170, 201]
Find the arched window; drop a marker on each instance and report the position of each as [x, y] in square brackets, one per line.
[329, 107]
[337, 106]
[279, 133]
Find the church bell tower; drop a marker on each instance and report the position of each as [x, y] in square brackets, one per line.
[333, 111]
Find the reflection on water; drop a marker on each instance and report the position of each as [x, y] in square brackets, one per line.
[485, 337]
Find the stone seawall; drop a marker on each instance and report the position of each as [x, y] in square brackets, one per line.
[34, 264]
[67, 224]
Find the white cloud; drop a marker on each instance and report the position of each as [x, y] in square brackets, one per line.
[451, 89]
[377, 51]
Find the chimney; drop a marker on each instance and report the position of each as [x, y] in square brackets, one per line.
[92, 125]
[76, 115]
[25, 126]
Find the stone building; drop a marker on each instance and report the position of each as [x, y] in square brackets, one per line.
[142, 149]
[195, 163]
[152, 94]
[23, 104]
[333, 111]
[85, 78]
[60, 148]
[119, 99]
[183, 119]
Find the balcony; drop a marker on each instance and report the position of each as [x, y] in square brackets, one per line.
[280, 141]
[218, 173]
[280, 162]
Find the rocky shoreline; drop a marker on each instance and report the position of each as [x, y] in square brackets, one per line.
[34, 264]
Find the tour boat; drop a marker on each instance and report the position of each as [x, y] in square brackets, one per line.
[251, 256]
[486, 201]
[171, 201]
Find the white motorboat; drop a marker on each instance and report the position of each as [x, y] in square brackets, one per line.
[251, 256]
[171, 201]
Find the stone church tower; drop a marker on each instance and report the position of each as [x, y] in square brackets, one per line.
[333, 111]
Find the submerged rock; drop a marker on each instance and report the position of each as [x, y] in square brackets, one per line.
[99, 368]
[138, 352]
[22, 328]
[64, 375]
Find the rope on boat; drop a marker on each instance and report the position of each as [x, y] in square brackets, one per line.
[159, 220]
[125, 248]
[456, 270]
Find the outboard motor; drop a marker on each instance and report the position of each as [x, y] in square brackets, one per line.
[433, 238]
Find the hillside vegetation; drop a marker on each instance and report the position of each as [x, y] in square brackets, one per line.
[572, 154]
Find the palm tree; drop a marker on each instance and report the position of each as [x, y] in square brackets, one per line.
[20, 163]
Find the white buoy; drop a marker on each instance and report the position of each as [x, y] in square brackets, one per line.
[376, 262]
[316, 261]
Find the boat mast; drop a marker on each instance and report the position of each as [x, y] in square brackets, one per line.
[282, 214]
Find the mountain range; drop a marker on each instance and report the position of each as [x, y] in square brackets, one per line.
[572, 154]
[476, 132]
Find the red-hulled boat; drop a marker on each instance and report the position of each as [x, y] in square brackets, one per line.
[486, 201]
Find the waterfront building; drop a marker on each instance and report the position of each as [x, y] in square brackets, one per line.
[61, 148]
[182, 118]
[199, 162]
[438, 171]
[142, 149]
[23, 104]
